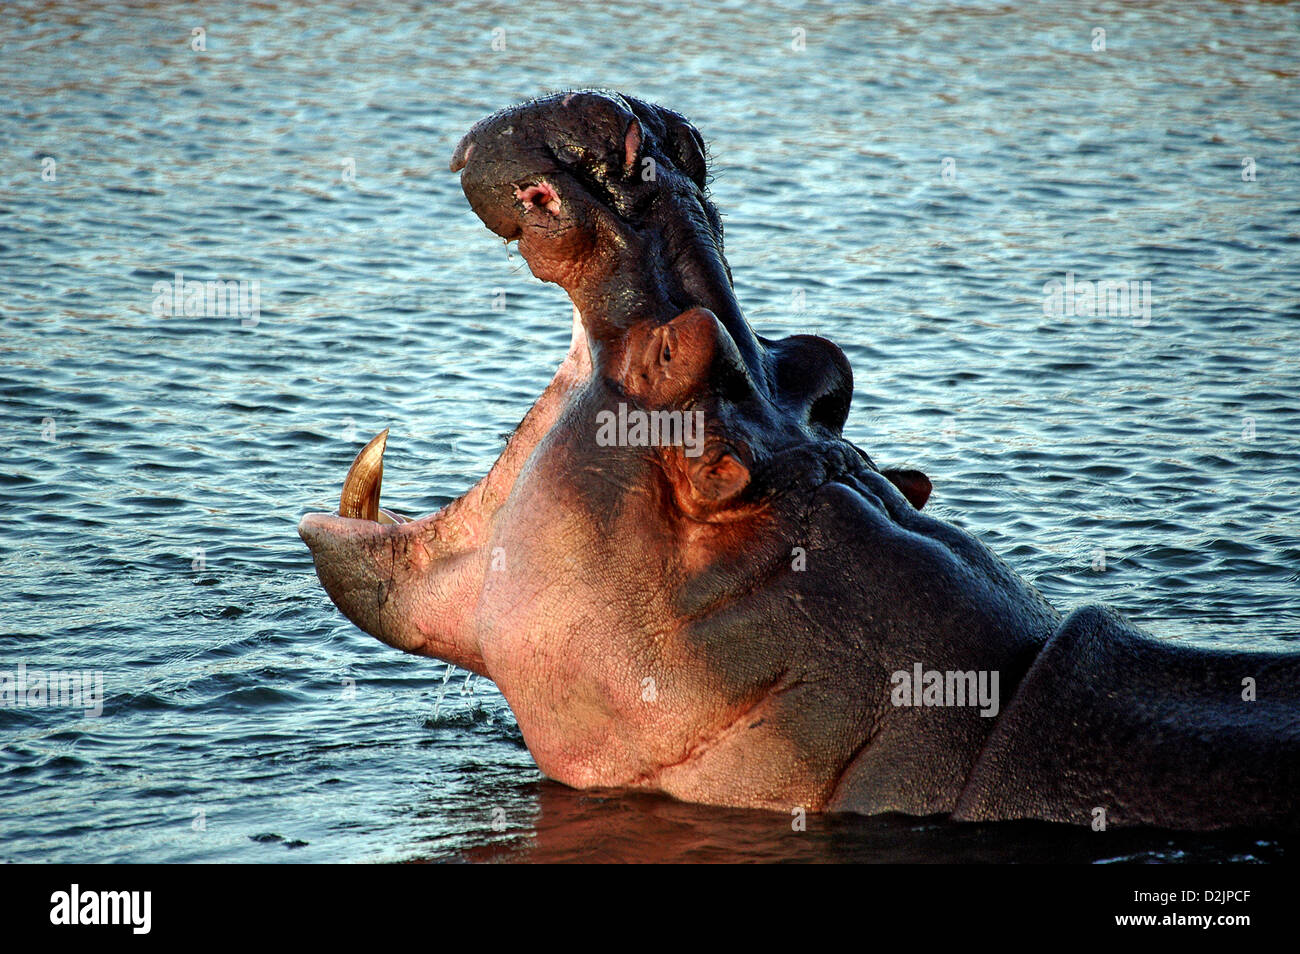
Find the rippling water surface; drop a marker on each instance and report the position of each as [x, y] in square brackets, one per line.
[154, 468]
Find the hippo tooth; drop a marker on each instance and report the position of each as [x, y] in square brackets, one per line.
[360, 498]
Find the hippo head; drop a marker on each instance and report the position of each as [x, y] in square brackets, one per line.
[679, 573]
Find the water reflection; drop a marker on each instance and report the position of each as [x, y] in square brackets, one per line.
[595, 827]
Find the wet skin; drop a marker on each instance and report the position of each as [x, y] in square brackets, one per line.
[723, 626]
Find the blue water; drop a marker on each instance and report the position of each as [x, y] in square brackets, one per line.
[154, 467]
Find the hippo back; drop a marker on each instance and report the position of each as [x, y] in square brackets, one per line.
[1150, 731]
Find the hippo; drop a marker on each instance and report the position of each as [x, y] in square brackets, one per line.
[685, 580]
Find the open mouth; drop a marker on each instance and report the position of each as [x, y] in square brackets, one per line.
[413, 582]
[541, 195]
[409, 580]
[460, 522]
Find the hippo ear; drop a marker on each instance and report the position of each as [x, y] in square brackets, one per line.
[663, 364]
[915, 485]
[631, 146]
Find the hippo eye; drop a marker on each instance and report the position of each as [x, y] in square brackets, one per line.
[568, 153]
[591, 170]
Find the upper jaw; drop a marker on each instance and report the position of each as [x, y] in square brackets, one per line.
[552, 174]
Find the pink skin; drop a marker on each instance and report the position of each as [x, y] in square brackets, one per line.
[471, 585]
[726, 627]
[529, 579]
[637, 608]
[413, 585]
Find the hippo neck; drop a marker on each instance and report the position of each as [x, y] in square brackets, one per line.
[920, 755]
[936, 601]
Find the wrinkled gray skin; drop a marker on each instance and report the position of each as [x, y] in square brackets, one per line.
[724, 627]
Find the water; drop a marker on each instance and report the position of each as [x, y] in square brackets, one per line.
[154, 468]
